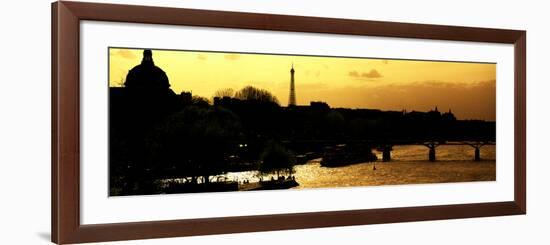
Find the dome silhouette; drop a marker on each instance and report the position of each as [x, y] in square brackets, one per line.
[146, 76]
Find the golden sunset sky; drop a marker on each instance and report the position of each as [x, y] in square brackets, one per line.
[468, 89]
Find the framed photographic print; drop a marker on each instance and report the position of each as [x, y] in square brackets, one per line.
[176, 122]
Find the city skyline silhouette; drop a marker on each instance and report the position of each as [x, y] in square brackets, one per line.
[163, 142]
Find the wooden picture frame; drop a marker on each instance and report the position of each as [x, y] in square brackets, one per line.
[66, 226]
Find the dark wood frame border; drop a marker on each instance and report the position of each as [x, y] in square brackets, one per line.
[66, 227]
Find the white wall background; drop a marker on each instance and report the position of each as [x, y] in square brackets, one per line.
[25, 121]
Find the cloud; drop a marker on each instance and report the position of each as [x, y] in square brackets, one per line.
[354, 74]
[124, 53]
[202, 57]
[232, 56]
[372, 74]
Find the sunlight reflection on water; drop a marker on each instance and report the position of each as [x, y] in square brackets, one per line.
[409, 165]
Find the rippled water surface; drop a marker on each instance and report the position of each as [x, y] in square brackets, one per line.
[409, 165]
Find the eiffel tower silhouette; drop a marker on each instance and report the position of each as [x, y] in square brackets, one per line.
[292, 96]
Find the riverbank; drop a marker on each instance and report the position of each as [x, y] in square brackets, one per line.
[173, 187]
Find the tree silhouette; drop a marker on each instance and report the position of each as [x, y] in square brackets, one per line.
[276, 159]
[196, 141]
[224, 92]
[200, 101]
[256, 94]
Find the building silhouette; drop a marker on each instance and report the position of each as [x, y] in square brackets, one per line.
[448, 116]
[292, 96]
[146, 76]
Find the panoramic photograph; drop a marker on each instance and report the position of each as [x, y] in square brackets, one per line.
[191, 121]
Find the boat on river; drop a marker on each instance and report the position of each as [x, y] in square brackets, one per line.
[343, 155]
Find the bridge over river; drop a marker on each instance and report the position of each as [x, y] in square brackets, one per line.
[386, 146]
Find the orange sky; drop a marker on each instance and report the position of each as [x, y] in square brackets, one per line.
[469, 89]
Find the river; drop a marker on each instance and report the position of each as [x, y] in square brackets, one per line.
[409, 165]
